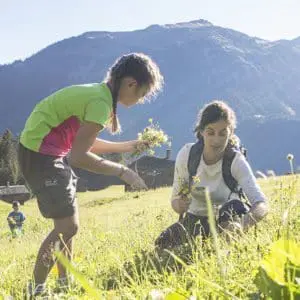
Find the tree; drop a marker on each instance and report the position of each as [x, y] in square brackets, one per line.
[9, 167]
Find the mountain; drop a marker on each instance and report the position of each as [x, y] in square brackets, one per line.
[260, 79]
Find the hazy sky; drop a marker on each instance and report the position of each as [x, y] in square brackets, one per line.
[27, 26]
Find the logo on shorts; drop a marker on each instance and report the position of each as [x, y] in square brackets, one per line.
[51, 182]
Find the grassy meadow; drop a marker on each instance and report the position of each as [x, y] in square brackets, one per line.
[114, 248]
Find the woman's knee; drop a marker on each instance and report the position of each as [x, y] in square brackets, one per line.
[170, 237]
[231, 209]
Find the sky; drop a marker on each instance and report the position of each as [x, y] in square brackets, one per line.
[30, 25]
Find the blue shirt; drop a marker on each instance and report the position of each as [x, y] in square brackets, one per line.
[18, 217]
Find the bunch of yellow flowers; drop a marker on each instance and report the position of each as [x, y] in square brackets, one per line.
[185, 189]
[153, 136]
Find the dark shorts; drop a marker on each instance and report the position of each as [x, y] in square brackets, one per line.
[191, 226]
[51, 180]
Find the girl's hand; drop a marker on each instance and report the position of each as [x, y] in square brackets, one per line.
[133, 179]
[140, 146]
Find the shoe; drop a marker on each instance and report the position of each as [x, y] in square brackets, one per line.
[40, 291]
[63, 284]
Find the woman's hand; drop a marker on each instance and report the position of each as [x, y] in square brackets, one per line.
[231, 230]
[181, 204]
[232, 227]
[257, 212]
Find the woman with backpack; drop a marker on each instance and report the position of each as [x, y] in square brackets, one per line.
[216, 163]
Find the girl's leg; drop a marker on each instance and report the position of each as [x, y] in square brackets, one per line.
[68, 253]
[64, 229]
[68, 247]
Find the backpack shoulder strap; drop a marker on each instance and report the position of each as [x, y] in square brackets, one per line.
[230, 181]
[229, 155]
[195, 157]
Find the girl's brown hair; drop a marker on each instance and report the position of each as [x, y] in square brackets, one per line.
[138, 66]
[214, 112]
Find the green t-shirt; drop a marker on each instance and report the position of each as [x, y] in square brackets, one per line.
[54, 122]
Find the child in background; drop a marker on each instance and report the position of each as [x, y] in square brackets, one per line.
[16, 219]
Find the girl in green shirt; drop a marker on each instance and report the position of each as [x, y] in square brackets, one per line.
[68, 122]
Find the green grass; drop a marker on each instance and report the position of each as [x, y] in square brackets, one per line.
[117, 232]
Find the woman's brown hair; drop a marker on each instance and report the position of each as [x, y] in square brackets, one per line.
[214, 112]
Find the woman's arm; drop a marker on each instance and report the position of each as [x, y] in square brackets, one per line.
[242, 172]
[180, 203]
[257, 212]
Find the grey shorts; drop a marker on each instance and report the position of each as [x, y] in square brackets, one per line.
[51, 180]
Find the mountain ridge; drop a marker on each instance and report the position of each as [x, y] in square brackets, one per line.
[200, 62]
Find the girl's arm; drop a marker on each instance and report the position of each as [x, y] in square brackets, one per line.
[102, 146]
[82, 157]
